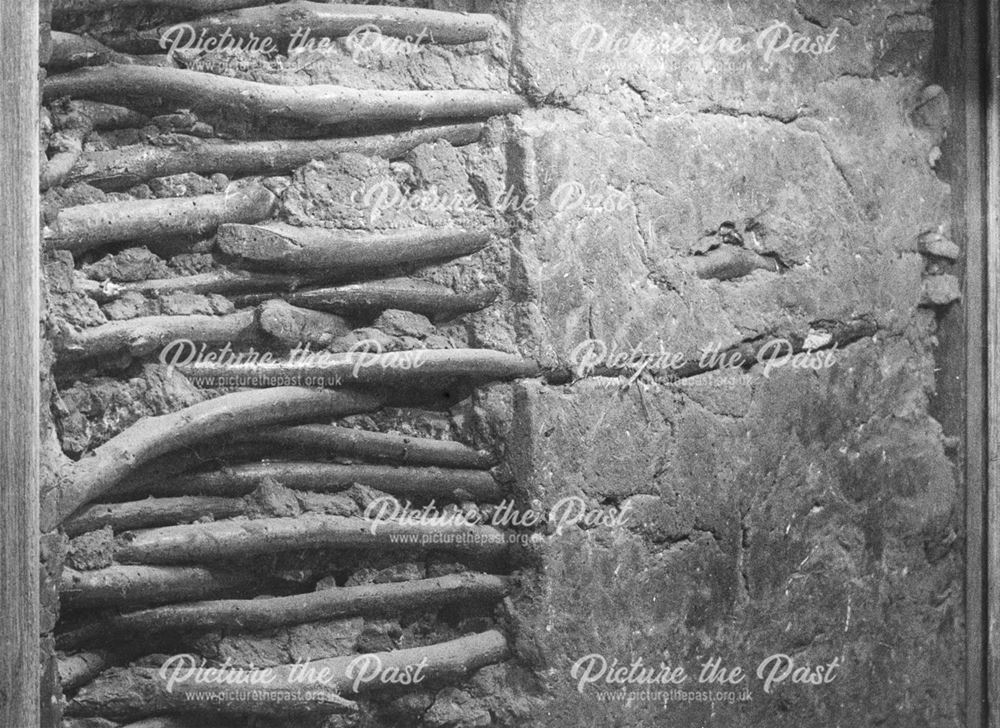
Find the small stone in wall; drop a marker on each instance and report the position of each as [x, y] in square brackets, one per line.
[244, 649]
[141, 192]
[318, 640]
[439, 342]
[437, 566]
[94, 550]
[132, 264]
[188, 184]
[507, 691]
[277, 184]
[404, 323]
[181, 120]
[294, 576]
[371, 337]
[75, 434]
[191, 263]
[52, 556]
[409, 343]
[58, 198]
[399, 572]
[333, 504]
[88, 723]
[408, 422]
[327, 582]
[293, 326]
[380, 635]
[63, 300]
[132, 304]
[932, 110]
[729, 262]
[403, 173]
[363, 495]
[935, 244]
[182, 303]
[940, 290]
[275, 500]
[408, 705]
[361, 577]
[109, 405]
[74, 427]
[350, 720]
[454, 708]
[320, 192]
[394, 573]
[440, 164]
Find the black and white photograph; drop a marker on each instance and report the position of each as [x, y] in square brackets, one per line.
[500, 364]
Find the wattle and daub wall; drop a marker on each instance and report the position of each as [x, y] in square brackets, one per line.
[687, 177]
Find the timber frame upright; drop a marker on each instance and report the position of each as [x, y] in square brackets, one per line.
[19, 365]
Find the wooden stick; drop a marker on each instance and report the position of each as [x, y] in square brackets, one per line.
[299, 440]
[141, 336]
[201, 542]
[109, 116]
[357, 299]
[61, 8]
[359, 368]
[84, 227]
[21, 356]
[294, 326]
[154, 436]
[152, 512]
[174, 721]
[321, 105]
[128, 166]
[204, 455]
[80, 669]
[119, 586]
[70, 142]
[74, 51]
[344, 441]
[223, 281]
[728, 262]
[430, 299]
[287, 24]
[135, 692]
[408, 482]
[76, 120]
[369, 600]
[277, 245]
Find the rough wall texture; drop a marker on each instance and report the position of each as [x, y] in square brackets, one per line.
[654, 197]
[100, 397]
[811, 513]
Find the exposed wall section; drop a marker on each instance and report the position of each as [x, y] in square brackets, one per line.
[658, 211]
[732, 198]
[190, 214]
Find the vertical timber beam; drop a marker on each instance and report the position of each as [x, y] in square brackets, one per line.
[19, 365]
[991, 305]
[959, 401]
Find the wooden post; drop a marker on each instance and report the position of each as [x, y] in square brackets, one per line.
[19, 367]
[991, 305]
